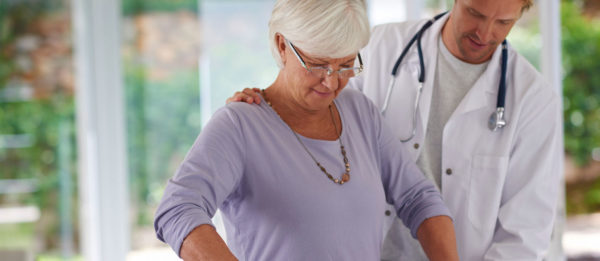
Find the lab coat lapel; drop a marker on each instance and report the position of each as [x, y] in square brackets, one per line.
[430, 54]
[484, 91]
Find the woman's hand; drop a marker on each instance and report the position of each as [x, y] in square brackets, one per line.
[248, 95]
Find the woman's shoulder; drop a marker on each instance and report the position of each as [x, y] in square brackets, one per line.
[239, 113]
[242, 108]
[355, 98]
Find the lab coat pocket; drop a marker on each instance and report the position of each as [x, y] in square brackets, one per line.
[485, 191]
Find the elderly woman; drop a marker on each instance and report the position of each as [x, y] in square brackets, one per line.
[303, 175]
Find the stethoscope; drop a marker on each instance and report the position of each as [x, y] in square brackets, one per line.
[496, 121]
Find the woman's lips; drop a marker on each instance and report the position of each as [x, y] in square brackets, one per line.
[323, 94]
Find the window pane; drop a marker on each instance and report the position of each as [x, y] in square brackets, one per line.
[181, 60]
[235, 52]
[159, 55]
[38, 214]
[526, 38]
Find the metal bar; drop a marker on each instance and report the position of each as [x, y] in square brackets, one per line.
[551, 58]
[551, 69]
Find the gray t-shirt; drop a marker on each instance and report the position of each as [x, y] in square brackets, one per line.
[277, 204]
[453, 79]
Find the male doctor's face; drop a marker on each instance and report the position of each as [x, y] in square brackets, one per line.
[476, 27]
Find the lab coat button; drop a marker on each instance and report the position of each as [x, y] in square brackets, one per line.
[388, 213]
[416, 145]
[449, 171]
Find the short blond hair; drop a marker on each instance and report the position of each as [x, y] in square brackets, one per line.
[323, 28]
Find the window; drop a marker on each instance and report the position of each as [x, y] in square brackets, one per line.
[38, 178]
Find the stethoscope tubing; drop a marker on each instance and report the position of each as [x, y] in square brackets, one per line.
[417, 38]
[502, 88]
[496, 121]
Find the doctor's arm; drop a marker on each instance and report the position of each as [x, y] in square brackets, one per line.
[530, 193]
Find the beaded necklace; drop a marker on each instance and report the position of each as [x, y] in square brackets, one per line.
[346, 176]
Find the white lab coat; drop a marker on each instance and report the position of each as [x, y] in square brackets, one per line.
[503, 187]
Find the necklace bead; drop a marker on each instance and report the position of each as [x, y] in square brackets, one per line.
[345, 176]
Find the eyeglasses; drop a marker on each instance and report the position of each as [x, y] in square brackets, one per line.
[322, 72]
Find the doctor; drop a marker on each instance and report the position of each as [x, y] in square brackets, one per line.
[502, 185]
[489, 138]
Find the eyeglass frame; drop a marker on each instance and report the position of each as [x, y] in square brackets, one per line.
[329, 70]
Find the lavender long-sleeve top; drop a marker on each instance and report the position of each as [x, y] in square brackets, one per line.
[277, 204]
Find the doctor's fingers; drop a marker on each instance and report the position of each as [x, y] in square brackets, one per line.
[248, 95]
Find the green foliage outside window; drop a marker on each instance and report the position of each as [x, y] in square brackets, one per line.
[46, 129]
[132, 7]
[163, 120]
[581, 90]
[581, 63]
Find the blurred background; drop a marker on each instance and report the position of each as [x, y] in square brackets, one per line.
[100, 101]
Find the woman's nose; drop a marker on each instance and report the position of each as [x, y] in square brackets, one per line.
[331, 81]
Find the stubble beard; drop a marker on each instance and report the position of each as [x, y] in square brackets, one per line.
[479, 57]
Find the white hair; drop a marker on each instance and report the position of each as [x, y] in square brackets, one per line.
[322, 28]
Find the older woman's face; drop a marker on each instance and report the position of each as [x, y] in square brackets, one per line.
[309, 91]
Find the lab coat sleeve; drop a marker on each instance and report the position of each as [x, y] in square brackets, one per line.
[530, 193]
[413, 196]
[209, 173]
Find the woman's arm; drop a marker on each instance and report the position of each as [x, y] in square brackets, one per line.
[416, 200]
[436, 235]
[204, 243]
[210, 172]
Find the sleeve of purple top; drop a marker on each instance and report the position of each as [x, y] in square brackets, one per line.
[209, 173]
[414, 197]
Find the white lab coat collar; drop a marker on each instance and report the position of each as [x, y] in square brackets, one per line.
[483, 92]
[485, 89]
[430, 50]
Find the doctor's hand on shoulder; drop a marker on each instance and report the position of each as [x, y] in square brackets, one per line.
[248, 95]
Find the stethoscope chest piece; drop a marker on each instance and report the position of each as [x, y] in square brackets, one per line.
[497, 121]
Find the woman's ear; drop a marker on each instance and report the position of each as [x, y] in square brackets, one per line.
[281, 47]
